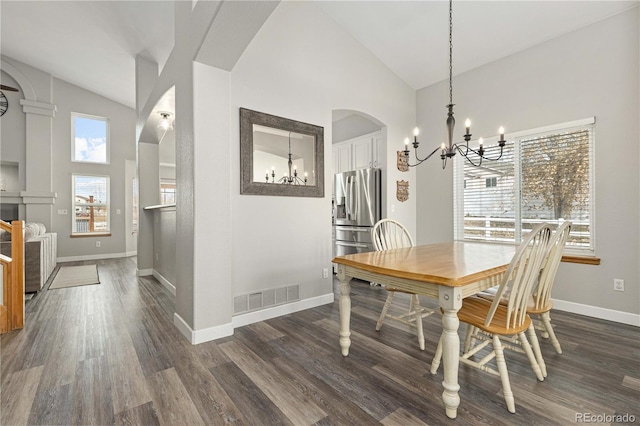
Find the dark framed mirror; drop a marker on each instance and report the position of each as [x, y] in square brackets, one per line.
[280, 156]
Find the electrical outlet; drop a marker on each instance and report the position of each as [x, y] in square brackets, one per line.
[117, 211]
[98, 244]
[157, 257]
[62, 211]
[618, 284]
[325, 273]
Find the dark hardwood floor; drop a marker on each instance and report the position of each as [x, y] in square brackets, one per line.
[109, 354]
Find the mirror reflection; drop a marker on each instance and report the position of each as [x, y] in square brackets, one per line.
[283, 157]
[280, 156]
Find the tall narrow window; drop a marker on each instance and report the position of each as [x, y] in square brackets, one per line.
[90, 139]
[545, 175]
[91, 204]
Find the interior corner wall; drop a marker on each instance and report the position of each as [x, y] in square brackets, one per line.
[148, 195]
[212, 163]
[302, 65]
[590, 72]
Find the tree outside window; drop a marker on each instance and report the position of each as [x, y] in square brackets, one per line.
[544, 176]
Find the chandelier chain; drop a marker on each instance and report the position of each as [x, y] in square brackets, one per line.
[451, 52]
[450, 150]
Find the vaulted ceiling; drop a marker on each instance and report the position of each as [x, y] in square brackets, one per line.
[93, 44]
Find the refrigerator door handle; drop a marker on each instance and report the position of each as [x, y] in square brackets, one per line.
[352, 206]
[343, 228]
[344, 244]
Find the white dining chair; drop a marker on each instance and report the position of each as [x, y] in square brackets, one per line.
[390, 234]
[498, 320]
[540, 303]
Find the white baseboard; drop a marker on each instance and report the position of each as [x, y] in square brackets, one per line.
[165, 282]
[277, 311]
[90, 257]
[225, 330]
[597, 312]
[204, 335]
[131, 253]
[144, 272]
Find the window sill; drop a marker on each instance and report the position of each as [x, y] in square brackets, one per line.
[585, 260]
[90, 234]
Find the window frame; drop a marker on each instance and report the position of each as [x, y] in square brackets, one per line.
[516, 138]
[73, 138]
[166, 186]
[107, 204]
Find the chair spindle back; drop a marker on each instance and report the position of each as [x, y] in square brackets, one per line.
[542, 293]
[521, 277]
[389, 234]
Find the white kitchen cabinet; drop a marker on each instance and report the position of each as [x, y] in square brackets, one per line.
[342, 159]
[362, 153]
[358, 153]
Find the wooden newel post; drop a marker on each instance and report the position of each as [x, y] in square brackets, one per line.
[16, 288]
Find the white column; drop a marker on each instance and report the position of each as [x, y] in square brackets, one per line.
[38, 197]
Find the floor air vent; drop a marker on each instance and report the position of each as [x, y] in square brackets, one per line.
[266, 298]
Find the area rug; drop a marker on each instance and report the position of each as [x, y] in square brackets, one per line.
[73, 276]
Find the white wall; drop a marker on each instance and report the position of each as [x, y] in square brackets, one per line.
[213, 274]
[70, 98]
[591, 72]
[164, 245]
[287, 240]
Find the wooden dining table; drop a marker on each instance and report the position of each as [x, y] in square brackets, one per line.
[448, 272]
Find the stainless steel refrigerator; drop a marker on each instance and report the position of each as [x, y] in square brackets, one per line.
[357, 207]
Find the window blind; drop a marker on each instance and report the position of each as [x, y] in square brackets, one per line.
[544, 175]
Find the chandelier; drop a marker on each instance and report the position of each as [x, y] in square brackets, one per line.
[291, 178]
[474, 156]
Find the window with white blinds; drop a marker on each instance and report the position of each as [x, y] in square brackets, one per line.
[544, 175]
[90, 204]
